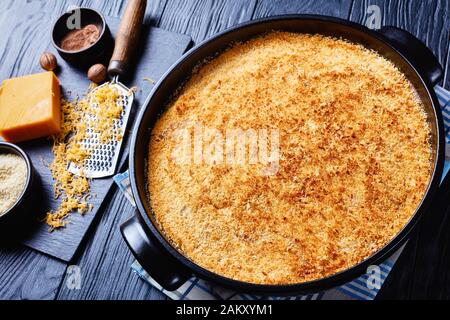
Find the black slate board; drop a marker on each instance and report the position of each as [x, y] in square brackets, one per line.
[158, 51]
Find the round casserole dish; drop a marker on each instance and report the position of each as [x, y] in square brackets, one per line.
[150, 247]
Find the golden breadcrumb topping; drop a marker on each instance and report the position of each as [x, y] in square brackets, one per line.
[80, 119]
[354, 160]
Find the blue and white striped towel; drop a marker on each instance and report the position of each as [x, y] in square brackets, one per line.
[365, 287]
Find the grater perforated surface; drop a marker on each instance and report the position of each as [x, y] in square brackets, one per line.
[103, 158]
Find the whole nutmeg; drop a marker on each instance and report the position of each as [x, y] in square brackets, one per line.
[97, 73]
[48, 61]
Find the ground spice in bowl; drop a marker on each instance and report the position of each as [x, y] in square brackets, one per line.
[79, 39]
[13, 176]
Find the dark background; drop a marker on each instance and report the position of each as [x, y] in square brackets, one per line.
[422, 271]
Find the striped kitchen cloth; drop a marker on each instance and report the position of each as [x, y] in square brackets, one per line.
[365, 287]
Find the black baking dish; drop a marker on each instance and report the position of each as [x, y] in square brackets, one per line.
[166, 264]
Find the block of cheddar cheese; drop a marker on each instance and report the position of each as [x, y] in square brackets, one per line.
[30, 107]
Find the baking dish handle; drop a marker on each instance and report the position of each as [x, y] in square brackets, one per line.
[159, 264]
[418, 53]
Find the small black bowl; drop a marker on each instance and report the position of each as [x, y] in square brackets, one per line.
[19, 216]
[98, 52]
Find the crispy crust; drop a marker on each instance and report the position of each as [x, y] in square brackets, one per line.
[355, 160]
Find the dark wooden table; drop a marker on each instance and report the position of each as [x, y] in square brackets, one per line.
[423, 270]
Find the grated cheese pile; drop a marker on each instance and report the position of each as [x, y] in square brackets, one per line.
[96, 111]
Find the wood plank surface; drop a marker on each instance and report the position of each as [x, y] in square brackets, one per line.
[114, 8]
[418, 272]
[335, 8]
[27, 274]
[422, 270]
[201, 19]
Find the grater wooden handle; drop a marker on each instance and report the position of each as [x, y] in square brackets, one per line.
[127, 37]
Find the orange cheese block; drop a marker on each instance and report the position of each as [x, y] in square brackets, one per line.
[30, 107]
